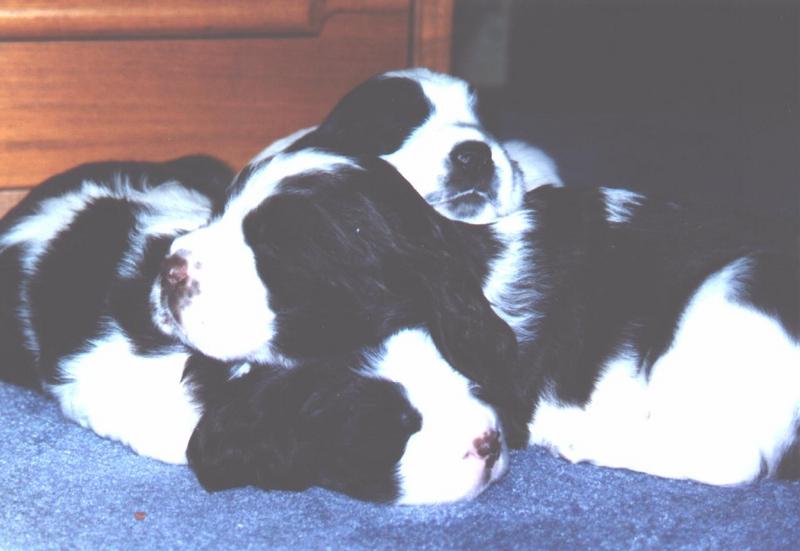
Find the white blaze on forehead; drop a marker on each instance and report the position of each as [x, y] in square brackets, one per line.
[265, 179]
[450, 97]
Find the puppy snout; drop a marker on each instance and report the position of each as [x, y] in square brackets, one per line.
[471, 155]
[175, 271]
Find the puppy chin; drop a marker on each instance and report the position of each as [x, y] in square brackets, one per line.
[473, 208]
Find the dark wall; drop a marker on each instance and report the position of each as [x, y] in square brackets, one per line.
[692, 98]
[644, 56]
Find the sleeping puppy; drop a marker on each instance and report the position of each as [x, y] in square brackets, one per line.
[393, 423]
[652, 337]
[427, 126]
[78, 260]
[258, 285]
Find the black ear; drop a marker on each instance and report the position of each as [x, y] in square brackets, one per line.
[374, 118]
[247, 436]
[208, 175]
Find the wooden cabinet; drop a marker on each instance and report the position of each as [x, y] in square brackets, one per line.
[87, 80]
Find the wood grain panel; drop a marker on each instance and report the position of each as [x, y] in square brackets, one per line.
[64, 103]
[71, 19]
[9, 198]
[432, 34]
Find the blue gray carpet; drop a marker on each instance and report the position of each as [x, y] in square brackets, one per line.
[62, 487]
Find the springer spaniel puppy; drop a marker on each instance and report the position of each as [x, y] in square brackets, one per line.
[77, 258]
[78, 261]
[427, 125]
[652, 337]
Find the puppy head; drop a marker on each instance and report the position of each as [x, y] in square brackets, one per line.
[427, 126]
[318, 254]
[397, 426]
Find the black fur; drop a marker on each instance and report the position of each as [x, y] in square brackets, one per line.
[69, 290]
[315, 425]
[375, 118]
[605, 285]
[75, 290]
[361, 255]
[352, 257]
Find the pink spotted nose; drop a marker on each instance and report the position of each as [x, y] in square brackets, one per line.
[175, 270]
[488, 447]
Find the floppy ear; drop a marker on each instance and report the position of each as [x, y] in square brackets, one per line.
[208, 175]
[480, 346]
[372, 119]
[247, 436]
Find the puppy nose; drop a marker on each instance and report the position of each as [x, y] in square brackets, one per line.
[174, 270]
[471, 155]
[487, 446]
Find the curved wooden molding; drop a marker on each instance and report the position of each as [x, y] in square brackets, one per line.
[77, 19]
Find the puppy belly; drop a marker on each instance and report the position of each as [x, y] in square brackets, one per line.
[135, 399]
[720, 406]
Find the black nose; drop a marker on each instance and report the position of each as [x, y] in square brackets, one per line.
[174, 270]
[471, 155]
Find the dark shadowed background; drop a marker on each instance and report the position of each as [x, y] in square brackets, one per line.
[697, 98]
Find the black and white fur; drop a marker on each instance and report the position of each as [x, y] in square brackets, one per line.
[79, 258]
[230, 314]
[428, 126]
[651, 337]
[92, 240]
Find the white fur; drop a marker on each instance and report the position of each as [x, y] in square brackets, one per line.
[438, 464]
[722, 398]
[620, 204]
[229, 317]
[423, 159]
[138, 400]
[173, 209]
[504, 287]
[537, 167]
[33, 233]
[263, 181]
[281, 144]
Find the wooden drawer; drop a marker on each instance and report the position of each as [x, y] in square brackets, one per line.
[118, 79]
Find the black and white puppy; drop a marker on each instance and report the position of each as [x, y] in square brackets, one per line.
[79, 258]
[236, 297]
[651, 337]
[427, 125]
